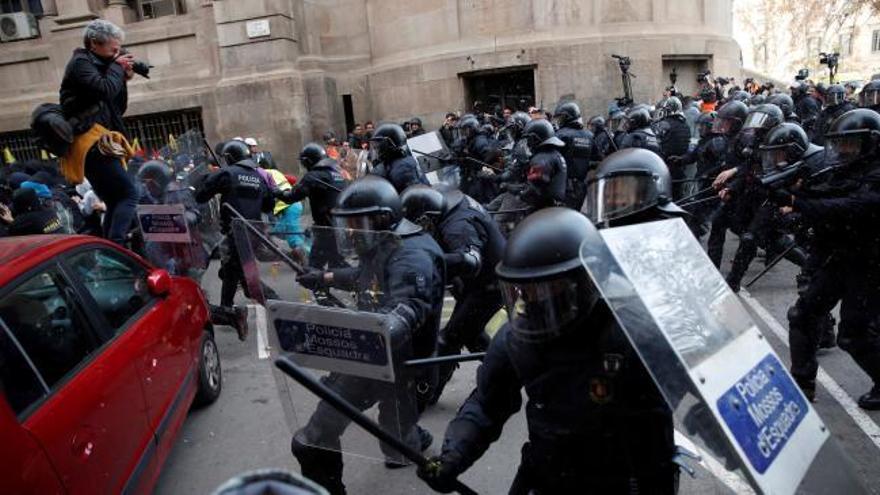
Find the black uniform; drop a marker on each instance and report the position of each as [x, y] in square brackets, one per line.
[710, 155]
[242, 187]
[641, 138]
[845, 216]
[824, 120]
[468, 230]
[401, 172]
[474, 182]
[412, 275]
[321, 185]
[675, 138]
[807, 108]
[578, 152]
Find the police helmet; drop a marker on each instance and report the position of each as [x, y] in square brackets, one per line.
[730, 118]
[785, 144]
[705, 123]
[756, 100]
[765, 116]
[423, 205]
[543, 282]
[311, 155]
[235, 151]
[853, 136]
[784, 102]
[870, 95]
[270, 481]
[155, 175]
[627, 183]
[567, 113]
[835, 95]
[539, 132]
[670, 106]
[638, 117]
[387, 142]
[369, 203]
[741, 95]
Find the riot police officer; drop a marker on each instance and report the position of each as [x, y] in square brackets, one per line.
[603, 138]
[869, 97]
[475, 150]
[806, 106]
[638, 131]
[844, 213]
[321, 184]
[410, 275]
[596, 421]
[786, 104]
[630, 186]
[392, 160]
[579, 150]
[548, 173]
[473, 245]
[836, 105]
[242, 187]
[675, 138]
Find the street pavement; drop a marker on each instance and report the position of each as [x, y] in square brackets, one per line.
[246, 428]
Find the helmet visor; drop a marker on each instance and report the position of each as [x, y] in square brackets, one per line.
[539, 310]
[843, 149]
[616, 196]
[359, 233]
[723, 125]
[756, 120]
[773, 158]
[871, 97]
[835, 99]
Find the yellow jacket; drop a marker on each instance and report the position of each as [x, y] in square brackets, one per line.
[74, 162]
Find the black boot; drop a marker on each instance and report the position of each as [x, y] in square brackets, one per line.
[425, 441]
[827, 337]
[871, 400]
[808, 387]
[324, 467]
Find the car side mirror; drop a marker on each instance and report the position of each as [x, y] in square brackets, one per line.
[159, 282]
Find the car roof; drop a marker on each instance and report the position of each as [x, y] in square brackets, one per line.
[21, 253]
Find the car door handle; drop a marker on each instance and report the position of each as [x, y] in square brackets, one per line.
[82, 445]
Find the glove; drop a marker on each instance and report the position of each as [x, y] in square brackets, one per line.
[439, 473]
[781, 197]
[282, 195]
[312, 279]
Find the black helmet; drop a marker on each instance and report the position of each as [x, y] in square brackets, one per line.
[387, 142]
[235, 151]
[597, 123]
[544, 284]
[155, 176]
[730, 118]
[415, 121]
[765, 116]
[785, 144]
[369, 203]
[468, 127]
[518, 123]
[852, 136]
[423, 205]
[708, 95]
[617, 120]
[784, 102]
[870, 95]
[638, 117]
[798, 89]
[270, 481]
[756, 100]
[627, 183]
[567, 113]
[24, 199]
[670, 106]
[311, 154]
[539, 132]
[835, 95]
[741, 95]
[705, 122]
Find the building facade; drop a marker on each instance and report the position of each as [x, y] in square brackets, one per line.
[285, 71]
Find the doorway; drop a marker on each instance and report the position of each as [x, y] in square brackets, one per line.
[686, 68]
[508, 87]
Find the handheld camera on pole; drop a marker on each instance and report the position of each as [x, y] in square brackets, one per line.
[832, 60]
[626, 76]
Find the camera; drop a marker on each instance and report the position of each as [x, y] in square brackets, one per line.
[829, 59]
[139, 67]
[802, 75]
[703, 77]
[724, 81]
[624, 62]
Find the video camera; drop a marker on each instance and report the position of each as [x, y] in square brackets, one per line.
[139, 67]
[724, 81]
[829, 59]
[802, 75]
[703, 77]
[624, 62]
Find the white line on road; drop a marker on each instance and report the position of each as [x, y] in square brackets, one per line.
[862, 420]
[262, 336]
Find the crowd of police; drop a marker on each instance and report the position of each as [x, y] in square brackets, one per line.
[531, 192]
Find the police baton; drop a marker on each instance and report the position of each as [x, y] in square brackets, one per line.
[211, 151]
[770, 265]
[343, 406]
[281, 254]
[454, 358]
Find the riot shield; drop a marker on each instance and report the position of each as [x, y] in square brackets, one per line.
[430, 150]
[355, 345]
[727, 388]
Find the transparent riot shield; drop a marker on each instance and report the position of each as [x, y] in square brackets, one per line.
[429, 149]
[729, 392]
[343, 331]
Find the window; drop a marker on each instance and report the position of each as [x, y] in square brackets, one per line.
[47, 325]
[875, 41]
[117, 284]
[846, 45]
[151, 9]
[152, 130]
[19, 381]
[33, 6]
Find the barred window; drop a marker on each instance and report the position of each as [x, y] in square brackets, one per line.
[153, 130]
[151, 9]
[21, 146]
[875, 41]
[33, 6]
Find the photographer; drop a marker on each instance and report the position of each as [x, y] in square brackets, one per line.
[94, 97]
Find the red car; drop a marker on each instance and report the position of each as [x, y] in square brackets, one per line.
[101, 356]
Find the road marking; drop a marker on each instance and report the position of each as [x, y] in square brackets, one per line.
[259, 313]
[862, 420]
[730, 479]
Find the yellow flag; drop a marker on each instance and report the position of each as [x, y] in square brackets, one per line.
[7, 156]
[172, 143]
[136, 144]
[44, 155]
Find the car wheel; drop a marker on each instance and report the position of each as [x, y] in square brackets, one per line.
[210, 373]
